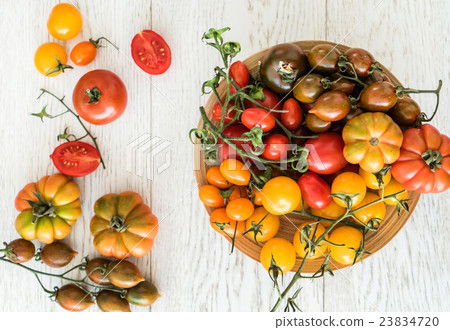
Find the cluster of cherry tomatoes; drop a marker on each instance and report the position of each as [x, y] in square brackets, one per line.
[362, 141]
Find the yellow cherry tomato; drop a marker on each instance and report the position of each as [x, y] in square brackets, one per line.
[47, 56]
[224, 225]
[281, 251]
[349, 236]
[240, 209]
[216, 179]
[371, 179]
[332, 211]
[377, 210]
[281, 195]
[349, 183]
[300, 241]
[235, 171]
[393, 187]
[65, 22]
[262, 225]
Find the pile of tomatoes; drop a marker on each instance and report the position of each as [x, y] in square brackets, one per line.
[325, 135]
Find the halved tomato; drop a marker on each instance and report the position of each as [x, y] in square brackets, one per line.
[75, 158]
[151, 52]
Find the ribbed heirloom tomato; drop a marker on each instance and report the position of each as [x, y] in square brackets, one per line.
[424, 162]
[49, 208]
[123, 226]
[372, 140]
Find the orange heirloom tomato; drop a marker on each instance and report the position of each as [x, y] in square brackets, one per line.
[210, 196]
[349, 236]
[372, 139]
[377, 210]
[371, 179]
[392, 188]
[123, 225]
[262, 225]
[300, 241]
[224, 225]
[46, 59]
[49, 208]
[235, 171]
[349, 183]
[216, 179]
[280, 252]
[332, 211]
[281, 195]
[65, 22]
[240, 209]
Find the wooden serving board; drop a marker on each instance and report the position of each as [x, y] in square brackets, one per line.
[390, 226]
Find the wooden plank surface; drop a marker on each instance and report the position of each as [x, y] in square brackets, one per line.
[190, 263]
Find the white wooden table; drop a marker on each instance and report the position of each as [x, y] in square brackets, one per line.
[189, 262]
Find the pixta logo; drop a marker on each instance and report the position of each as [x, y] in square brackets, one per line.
[148, 156]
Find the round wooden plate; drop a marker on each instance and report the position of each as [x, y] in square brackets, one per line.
[390, 226]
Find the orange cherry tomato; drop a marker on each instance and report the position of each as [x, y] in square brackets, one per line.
[351, 238]
[371, 179]
[216, 179]
[349, 183]
[256, 196]
[391, 188]
[238, 192]
[262, 225]
[281, 195]
[332, 211]
[300, 241]
[210, 196]
[46, 59]
[280, 252]
[224, 225]
[240, 209]
[86, 51]
[65, 22]
[377, 210]
[235, 171]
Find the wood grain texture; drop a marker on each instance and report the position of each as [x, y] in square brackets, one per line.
[190, 263]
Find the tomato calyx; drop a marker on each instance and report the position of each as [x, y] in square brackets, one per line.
[118, 223]
[373, 141]
[9, 253]
[93, 94]
[287, 72]
[59, 67]
[432, 159]
[96, 43]
[41, 208]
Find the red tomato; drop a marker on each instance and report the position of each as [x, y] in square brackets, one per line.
[217, 113]
[227, 152]
[258, 117]
[294, 117]
[272, 101]
[276, 147]
[239, 73]
[151, 52]
[315, 191]
[100, 97]
[75, 158]
[424, 162]
[326, 153]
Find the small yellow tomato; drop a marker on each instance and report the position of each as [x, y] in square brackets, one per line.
[371, 179]
[240, 209]
[349, 183]
[224, 225]
[281, 195]
[377, 210]
[47, 56]
[300, 241]
[332, 211]
[351, 238]
[262, 225]
[65, 22]
[235, 172]
[280, 252]
[392, 188]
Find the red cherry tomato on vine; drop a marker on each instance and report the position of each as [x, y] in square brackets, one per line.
[239, 73]
[326, 153]
[258, 117]
[100, 97]
[151, 52]
[276, 147]
[271, 101]
[294, 117]
[75, 158]
[217, 113]
[227, 152]
[315, 190]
